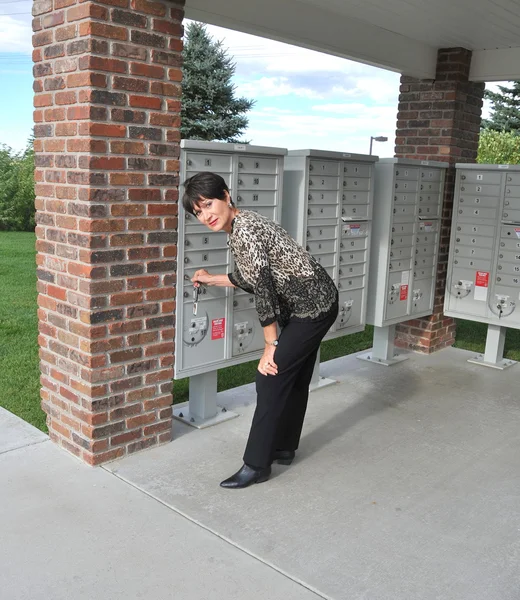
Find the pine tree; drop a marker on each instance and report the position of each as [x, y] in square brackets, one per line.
[210, 110]
[505, 108]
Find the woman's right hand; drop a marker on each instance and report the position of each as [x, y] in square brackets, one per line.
[201, 276]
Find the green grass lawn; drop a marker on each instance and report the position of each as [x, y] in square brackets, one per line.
[19, 369]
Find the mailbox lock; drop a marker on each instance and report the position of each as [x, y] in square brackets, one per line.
[240, 182]
[239, 198]
[463, 177]
[309, 211]
[309, 197]
[189, 163]
[186, 260]
[186, 242]
[240, 165]
[311, 167]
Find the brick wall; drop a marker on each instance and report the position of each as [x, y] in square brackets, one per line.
[107, 89]
[439, 120]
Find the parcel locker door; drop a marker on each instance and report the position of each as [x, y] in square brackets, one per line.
[397, 295]
[247, 333]
[350, 313]
[422, 296]
[203, 334]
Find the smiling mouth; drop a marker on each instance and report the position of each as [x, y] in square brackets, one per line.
[213, 222]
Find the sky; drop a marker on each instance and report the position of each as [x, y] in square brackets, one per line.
[303, 99]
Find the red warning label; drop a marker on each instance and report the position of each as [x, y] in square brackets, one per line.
[218, 328]
[404, 292]
[482, 279]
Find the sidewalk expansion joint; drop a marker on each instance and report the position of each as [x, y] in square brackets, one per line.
[24, 446]
[299, 582]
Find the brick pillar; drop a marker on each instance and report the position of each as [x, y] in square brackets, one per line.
[439, 120]
[107, 98]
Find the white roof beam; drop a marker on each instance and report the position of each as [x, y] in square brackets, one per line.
[495, 65]
[310, 27]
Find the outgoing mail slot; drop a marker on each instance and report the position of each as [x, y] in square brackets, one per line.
[357, 170]
[431, 174]
[319, 232]
[356, 183]
[250, 198]
[257, 182]
[205, 258]
[469, 212]
[355, 197]
[321, 247]
[202, 161]
[323, 211]
[409, 173]
[352, 211]
[322, 182]
[479, 177]
[324, 167]
[316, 197]
[257, 164]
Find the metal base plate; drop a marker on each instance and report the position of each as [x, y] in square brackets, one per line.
[321, 383]
[181, 412]
[501, 365]
[387, 362]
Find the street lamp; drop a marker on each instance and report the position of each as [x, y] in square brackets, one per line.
[379, 138]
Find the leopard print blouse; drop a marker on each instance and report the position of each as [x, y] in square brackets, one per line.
[288, 283]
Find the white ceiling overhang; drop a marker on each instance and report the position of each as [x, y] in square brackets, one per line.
[399, 35]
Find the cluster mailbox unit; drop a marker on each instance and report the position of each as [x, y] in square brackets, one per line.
[327, 208]
[223, 329]
[483, 281]
[405, 239]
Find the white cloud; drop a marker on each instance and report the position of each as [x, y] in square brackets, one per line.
[268, 87]
[15, 35]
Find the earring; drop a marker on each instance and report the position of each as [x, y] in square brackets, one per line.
[230, 205]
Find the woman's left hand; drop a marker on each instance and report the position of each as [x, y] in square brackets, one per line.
[267, 366]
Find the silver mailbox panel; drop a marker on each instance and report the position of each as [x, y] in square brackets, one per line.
[225, 329]
[407, 211]
[328, 209]
[483, 281]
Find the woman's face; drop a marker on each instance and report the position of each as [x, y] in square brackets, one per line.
[215, 214]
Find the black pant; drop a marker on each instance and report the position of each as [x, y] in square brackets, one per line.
[282, 398]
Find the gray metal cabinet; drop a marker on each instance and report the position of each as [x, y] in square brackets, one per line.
[327, 208]
[405, 238]
[225, 330]
[483, 281]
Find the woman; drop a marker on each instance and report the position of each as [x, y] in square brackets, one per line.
[292, 291]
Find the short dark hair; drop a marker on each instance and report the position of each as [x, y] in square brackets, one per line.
[203, 185]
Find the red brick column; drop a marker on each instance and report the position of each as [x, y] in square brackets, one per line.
[439, 120]
[107, 98]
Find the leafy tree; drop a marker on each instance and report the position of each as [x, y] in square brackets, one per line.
[210, 110]
[499, 147]
[17, 189]
[505, 106]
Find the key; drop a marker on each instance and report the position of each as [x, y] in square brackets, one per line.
[196, 291]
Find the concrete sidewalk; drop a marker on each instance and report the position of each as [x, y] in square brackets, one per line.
[406, 486]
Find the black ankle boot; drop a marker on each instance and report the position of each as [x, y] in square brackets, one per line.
[284, 457]
[246, 476]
